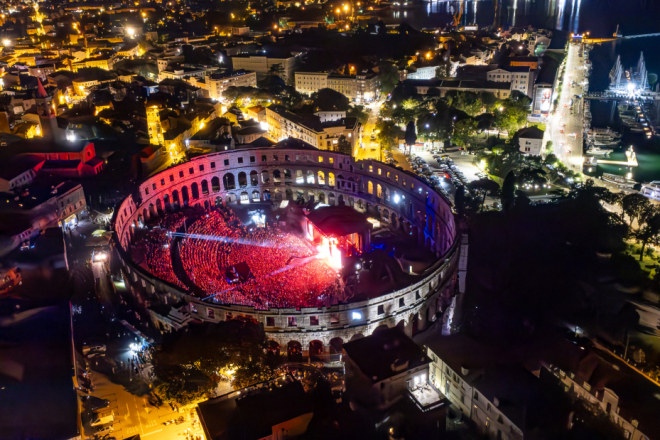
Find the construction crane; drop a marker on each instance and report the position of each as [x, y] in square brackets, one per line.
[458, 14]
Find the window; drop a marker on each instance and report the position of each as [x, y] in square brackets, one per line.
[212, 165]
[313, 320]
[263, 158]
[191, 170]
[153, 185]
[275, 157]
[240, 160]
[226, 162]
[253, 159]
[201, 168]
[146, 191]
[402, 302]
[286, 157]
[320, 159]
[334, 318]
[162, 182]
[180, 173]
[171, 177]
[270, 321]
[417, 295]
[293, 322]
[381, 309]
[371, 168]
[331, 160]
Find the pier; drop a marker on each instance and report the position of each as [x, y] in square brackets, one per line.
[631, 162]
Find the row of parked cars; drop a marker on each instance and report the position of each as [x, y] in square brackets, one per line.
[451, 171]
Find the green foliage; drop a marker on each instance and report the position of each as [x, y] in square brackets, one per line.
[463, 129]
[549, 149]
[508, 188]
[388, 135]
[389, 77]
[467, 102]
[187, 364]
[411, 134]
[328, 99]
[512, 114]
[360, 112]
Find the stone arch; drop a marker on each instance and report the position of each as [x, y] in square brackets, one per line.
[167, 202]
[294, 351]
[386, 215]
[264, 177]
[273, 348]
[185, 196]
[207, 205]
[300, 177]
[277, 196]
[256, 196]
[242, 179]
[218, 201]
[175, 199]
[351, 202]
[356, 336]
[141, 219]
[336, 345]
[315, 348]
[370, 187]
[277, 176]
[205, 187]
[289, 194]
[287, 176]
[159, 206]
[230, 198]
[254, 178]
[321, 197]
[310, 177]
[215, 184]
[229, 181]
[266, 195]
[331, 179]
[245, 197]
[379, 190]
[321, 178]
[380, 328]
[331, 199]
[194, 189]
[340, 200]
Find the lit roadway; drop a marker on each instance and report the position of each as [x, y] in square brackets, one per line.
[567, 147]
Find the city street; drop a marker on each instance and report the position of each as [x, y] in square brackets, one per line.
[371, 149]
[568, 145]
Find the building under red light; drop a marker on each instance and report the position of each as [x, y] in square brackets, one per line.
[343, 226]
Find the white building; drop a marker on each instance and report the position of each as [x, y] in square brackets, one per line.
[219, 82]
[283, 124]
[262, 64]
[310, 82]
[520, 77]
[362, 87]
[530, 141]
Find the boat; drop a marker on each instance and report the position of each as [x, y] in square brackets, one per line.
[597, 151]
[651, 190]
[605, 143]
[619, 180]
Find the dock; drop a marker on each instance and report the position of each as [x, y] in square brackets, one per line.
[631, 162]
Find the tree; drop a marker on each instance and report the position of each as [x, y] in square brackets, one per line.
[548, 148]
[633, 205]
[463, 129]
[467, 102]
[389, 75]
[388, 134]
[411, 134]
[653, 80]
[328, 99]
[508, 190]
[484, 187]
[649, 232]
[360, 112]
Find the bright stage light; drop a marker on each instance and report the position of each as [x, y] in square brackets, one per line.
[356, 316]
[329, 252]
[396, 198]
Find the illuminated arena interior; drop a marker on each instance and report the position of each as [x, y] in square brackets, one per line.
[304, 241]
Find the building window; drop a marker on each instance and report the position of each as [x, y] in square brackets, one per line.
[240, 160]
[180, 173]
[191, 170]
[270, 321]
[201, 168]
[334, 318]
[313, 320]
[171, 177]
[154, 186]
[212, 165]
[402, 302]
[162, 182]
[381, 309]
[263, 158]
[253, 159]
[293, 322]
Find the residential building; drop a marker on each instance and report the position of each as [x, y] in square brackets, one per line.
[275, 409]
[262, 64]
[283, 124]
[388, 366]
[530, 61]
[358, 88]
[521, 78]
[217, 83]
[530, 141]
[426, 72]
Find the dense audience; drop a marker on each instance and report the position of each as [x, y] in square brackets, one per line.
[284, 272]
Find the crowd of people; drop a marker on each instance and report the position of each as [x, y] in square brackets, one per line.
[284, 272]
